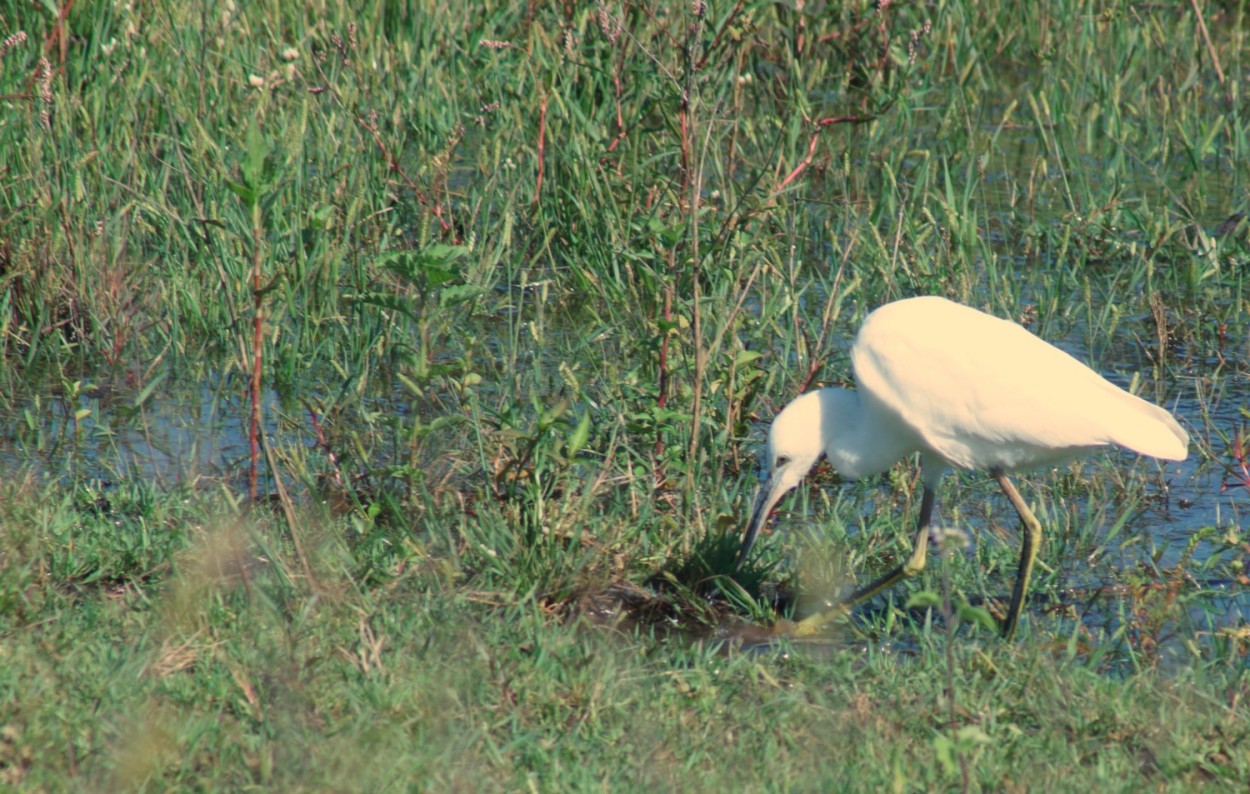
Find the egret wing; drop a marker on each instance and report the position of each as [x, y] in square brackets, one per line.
[985, 393]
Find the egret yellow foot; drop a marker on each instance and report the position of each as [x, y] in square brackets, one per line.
[814, 625]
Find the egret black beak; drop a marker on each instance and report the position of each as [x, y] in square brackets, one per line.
[768, 497]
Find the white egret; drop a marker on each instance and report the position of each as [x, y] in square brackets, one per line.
[966, 390]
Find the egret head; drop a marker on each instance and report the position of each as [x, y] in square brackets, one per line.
[796, 441]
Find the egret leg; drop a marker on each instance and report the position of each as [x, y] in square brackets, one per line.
[1031, 539]
[813, 624]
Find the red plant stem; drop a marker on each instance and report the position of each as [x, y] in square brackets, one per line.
[620, 117]
[662, 401]
[1206, 38]
[59, 36]
[728, 24]
[258, 330]
[436, 206]
[812, 368]
[685, 146]
[324, 445]
[811, 146]
[542, 135]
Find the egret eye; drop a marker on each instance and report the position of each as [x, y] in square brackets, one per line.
[781, 461]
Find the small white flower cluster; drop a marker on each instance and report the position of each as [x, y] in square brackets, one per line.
[130, 31]
[916, 35]
[289, 56]
[949, 538]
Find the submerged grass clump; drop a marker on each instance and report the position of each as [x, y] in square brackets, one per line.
[487, 303]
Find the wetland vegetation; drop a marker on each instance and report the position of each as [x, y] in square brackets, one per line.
[381, 388]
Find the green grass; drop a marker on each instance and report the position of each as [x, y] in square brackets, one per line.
[229, 669]
[532, 277]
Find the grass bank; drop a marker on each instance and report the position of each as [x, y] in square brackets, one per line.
[228, 663]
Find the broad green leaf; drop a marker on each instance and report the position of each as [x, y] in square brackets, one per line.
[925, 599]
[978, 615]
[257, 151]
[580, 434]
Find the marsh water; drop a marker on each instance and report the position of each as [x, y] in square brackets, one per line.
[105, 427]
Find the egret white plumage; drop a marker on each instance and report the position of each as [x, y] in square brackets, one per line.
[965, 390]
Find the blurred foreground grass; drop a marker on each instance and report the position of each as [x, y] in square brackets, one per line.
[227, 665]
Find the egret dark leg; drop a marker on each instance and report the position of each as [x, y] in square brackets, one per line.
[1031, 539]
[915, 564]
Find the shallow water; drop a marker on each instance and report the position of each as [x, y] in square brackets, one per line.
[106, 432]
[109, 429]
